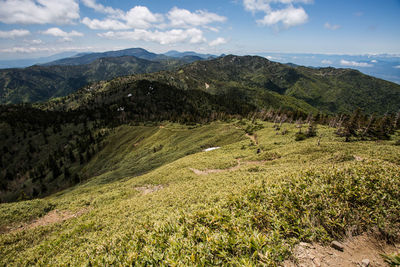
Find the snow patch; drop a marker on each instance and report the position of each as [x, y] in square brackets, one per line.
[211, 148]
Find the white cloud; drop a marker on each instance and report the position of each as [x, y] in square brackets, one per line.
[374, 61]
[287, 14]
[184, 18]
[38, 11]
[397, 67]
[289, 17]
[32, 49]
[14, 33]
[257, 5]
[332, 27]
[173, 36]
[326, 62]
[107, 24]
[141, 17]
[218, 41]
[355, 64]
[57, 32]
[33, 42]
[100, 8]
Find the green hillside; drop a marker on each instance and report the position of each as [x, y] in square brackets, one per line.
[326, 89]
[40, 83]
[255, 80]
[230, 206]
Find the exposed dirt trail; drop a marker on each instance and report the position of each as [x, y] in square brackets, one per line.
[54, 216]
[147, 189]
[234, 168]
[363, 250]
[253, 138]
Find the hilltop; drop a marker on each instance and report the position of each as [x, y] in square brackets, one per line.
[266, 84]
[40, 83]
[261, 82]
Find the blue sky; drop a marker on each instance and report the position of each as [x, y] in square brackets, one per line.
[32, 28]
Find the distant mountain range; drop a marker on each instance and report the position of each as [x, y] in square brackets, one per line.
[40, 83]
[253, 79]
[384, 66]
[263, 84]
[174, 53]
[87, 58]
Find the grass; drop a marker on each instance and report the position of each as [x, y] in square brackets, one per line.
[250, 216]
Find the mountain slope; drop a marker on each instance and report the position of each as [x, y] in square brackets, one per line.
[327, 89]
[174, 53]
[40, 83]
[253, 79]
[229, 206]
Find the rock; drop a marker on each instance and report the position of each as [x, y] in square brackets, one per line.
[317, 262]
[365, 262]
[338, 246]
[306, 245]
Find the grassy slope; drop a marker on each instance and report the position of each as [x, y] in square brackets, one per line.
[251, 215]
[40, 83]
[327, 89]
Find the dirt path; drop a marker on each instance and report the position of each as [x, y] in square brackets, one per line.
[363, 250]
[54, 216]
[253, 138]
[234, 168]
[147, 189]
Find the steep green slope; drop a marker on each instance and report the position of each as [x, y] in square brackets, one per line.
[40, 83]
[229, 206]
[327, 89]
[232, 98]
[45, 150]
[256, 80]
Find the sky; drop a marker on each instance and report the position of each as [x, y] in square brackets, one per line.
[33, 28]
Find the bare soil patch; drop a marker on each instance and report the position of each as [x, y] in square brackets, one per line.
[253, 138]
[234, 168]
[363, 250]
[54, 216]
[147, 189]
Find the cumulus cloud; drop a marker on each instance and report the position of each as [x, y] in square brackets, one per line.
[38, 11]
[141, 17]
[57, 32]
[106, 24]
[374, 61]
[355, 63]
[137, 17]
[287, 14]
[139, 23]
[184, 18]
[33, 49]
[14, 33]
[289, 17]
[218, 41]
[100, 8]
[36, 41]
[397, 67]
[326, 61]
[332, 27]
[191, 35]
